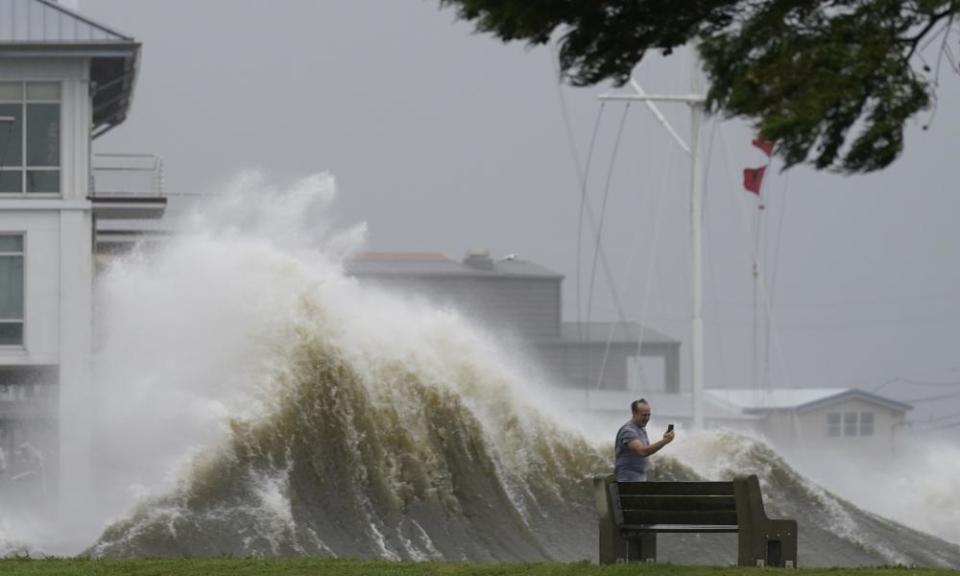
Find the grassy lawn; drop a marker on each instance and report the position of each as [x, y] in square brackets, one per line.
[313, 566]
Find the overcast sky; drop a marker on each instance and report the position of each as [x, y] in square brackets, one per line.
[445, 140]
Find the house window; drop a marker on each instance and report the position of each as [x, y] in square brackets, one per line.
[29, 137]
[849, 423]
[833, 424]
[11, 290]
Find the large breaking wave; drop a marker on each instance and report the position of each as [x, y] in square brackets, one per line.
[253, 400]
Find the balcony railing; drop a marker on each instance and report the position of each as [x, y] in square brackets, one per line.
[120, 176]
[127, 186]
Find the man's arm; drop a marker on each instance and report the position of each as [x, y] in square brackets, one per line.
[637, 447]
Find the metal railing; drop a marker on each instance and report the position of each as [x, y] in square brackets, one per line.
[126, 176]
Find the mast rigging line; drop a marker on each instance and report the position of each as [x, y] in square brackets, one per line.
[598, 240]
[898, 379]
[711, 268]
[651, 263]
[943, 427]
[933, 398]
[583, 175]
[695, 103]
[764, 289]
[660, 117]
[932, 421]
[776, 250]
[591, 218]
[673, 133]
[663, 122]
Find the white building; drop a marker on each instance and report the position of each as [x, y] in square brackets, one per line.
[821, 420]
[64, 81]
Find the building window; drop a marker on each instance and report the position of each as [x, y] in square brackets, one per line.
[833, 424]
[29, 137]
[11, 290]
[849, 423]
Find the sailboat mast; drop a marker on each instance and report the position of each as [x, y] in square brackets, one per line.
[696, 241]
[695, 100]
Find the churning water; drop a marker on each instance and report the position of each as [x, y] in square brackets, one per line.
[251, 399]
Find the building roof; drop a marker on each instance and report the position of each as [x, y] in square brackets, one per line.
[433, 264]
[797, 399]
[602, 332]
[45, 21]
[43, 28]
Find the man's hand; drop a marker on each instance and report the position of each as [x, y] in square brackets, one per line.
[637, 447]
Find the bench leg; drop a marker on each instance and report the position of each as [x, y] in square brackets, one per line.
[774, 543]
[788, 534]
[642, 548]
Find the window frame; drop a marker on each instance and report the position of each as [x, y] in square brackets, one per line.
[851, 424]
[835, 424]
[23, 312]
[23, 167]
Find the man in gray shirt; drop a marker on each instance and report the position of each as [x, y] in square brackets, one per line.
[633, 447]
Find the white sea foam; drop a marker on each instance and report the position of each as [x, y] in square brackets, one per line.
[274, 513]
[917, 484]
[191, 332]
[723, 454]
[385, 552]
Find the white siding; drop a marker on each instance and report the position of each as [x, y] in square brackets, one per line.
[808, 431]
[75, 115]
[41, 329]
[49, 224]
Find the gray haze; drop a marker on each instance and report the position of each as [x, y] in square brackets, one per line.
[445, 140]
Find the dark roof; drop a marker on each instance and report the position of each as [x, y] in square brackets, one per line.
[42, 28]
[432, 264]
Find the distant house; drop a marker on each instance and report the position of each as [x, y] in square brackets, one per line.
[819, 419]
[522, 301]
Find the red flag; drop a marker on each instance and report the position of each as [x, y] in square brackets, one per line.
[753, 179]
[765, 145]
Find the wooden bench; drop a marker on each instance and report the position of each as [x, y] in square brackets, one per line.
[633, 513]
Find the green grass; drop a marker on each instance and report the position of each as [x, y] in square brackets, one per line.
[318, 567]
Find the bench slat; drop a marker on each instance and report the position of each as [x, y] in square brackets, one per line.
[648, 528]
[688, 517]
[676, 488]
[674, 502]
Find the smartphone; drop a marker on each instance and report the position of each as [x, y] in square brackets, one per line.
[669, 427]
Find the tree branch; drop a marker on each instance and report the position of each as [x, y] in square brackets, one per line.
[914, 41]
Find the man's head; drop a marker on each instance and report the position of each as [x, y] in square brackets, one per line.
[641, 412]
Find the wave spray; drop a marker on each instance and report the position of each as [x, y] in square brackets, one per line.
[257, 401]
[251, 399]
